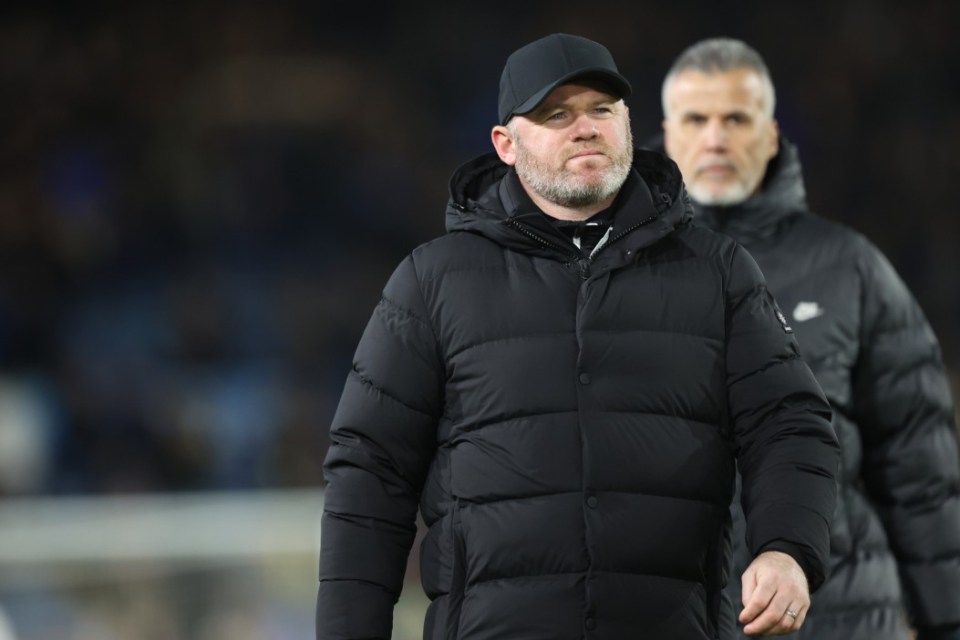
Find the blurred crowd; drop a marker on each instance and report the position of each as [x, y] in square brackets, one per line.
[199, 202]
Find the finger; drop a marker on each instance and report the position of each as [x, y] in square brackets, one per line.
[796, 620]
[768, 624]
[758, 601]
[791, 615]
[773, 620]
[748, 582]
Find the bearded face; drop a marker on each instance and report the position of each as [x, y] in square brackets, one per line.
[719, 129]
[573, 153]
[584, 175]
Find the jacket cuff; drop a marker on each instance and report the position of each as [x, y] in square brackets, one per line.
[815, 578]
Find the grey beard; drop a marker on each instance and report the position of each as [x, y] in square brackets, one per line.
[734, 195]
[562, 188]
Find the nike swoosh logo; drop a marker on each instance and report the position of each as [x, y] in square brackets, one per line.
[807, 311]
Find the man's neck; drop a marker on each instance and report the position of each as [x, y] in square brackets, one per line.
[567, 213]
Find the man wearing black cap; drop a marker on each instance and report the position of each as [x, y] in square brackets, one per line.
[562, 384]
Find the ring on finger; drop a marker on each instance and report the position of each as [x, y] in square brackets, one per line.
[792, 614]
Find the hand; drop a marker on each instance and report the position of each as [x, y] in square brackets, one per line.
[773, 585]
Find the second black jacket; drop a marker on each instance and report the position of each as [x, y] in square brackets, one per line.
[896, 534]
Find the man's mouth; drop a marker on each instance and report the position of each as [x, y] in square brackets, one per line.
[716, 169]
[587, 153]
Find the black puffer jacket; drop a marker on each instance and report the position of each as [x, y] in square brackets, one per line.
[567, 427]
[879, 364]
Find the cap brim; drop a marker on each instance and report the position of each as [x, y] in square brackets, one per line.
[621, 88]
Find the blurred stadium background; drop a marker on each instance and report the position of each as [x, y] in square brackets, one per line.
[199, 204]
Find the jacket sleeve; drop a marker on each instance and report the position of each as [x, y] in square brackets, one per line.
[381, 443]
[787, 451]
[911, 467]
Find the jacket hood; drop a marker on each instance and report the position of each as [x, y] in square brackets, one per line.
[781, 196]
[653, 198]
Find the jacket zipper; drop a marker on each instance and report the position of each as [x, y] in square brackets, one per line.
[664, 198]
[628, 230]
[583, 264]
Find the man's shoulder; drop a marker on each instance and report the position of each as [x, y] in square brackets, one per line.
[834, 237]
[452, 244]
[705, 242]
[452, 250]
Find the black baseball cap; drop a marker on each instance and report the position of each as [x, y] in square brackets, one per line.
[536, 69]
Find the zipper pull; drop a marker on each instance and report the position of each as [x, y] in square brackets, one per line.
[584, 265]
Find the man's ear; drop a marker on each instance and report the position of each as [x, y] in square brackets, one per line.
[667, 126]
[774, 137]
[504, 144]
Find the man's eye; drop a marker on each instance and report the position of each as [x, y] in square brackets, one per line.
[737, 118]
[695, 119]
[559, 115]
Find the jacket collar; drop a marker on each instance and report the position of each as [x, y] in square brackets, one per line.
[485, 199]
[782, 195]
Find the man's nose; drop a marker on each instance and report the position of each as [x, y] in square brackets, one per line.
[715, 135]
[584, 128]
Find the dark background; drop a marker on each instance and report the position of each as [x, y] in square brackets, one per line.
[200, 202]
